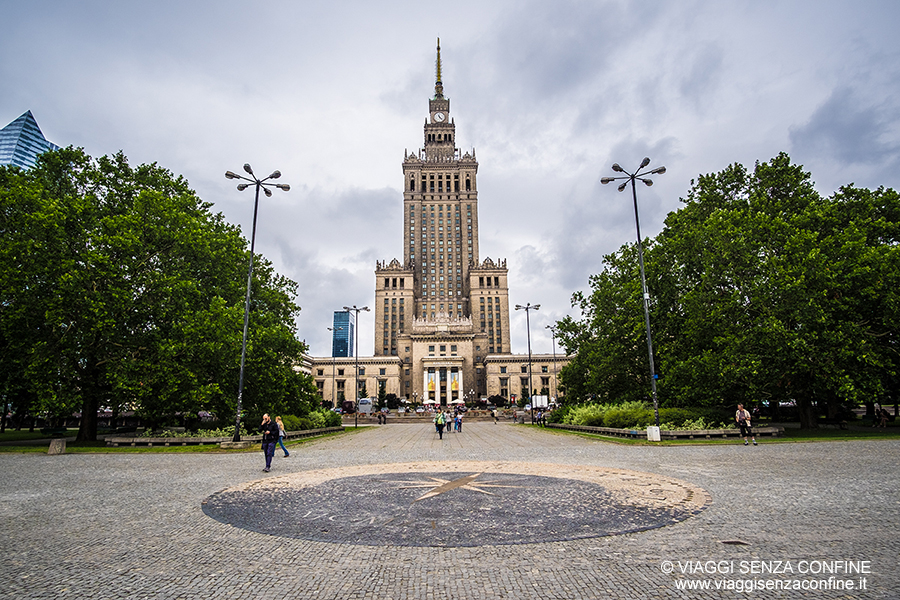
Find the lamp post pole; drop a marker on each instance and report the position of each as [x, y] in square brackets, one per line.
[630, 177]
[356, 310]
[333, 366]
[528, 308]
[258, 183]
[552, 329]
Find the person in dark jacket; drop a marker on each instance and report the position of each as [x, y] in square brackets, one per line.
[270, 431]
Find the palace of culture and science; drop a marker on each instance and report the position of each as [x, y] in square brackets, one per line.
[441, 313]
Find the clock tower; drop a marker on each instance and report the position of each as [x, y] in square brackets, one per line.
[442, 310]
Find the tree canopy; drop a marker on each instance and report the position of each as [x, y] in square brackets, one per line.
[762, 290]
[120, 288]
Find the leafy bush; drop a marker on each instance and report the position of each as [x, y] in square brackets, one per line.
[220, 432]
[559, 414]
[678, 415]
[629, 415]
[317, 419]
[638, 415]
[332, 419]
[291, 423]
[694, 425]
[587, 414]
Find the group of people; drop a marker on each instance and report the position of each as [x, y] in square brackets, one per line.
[444, 419]
[273, 434]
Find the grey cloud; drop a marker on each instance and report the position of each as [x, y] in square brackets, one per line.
[851, 129]
[703, 73]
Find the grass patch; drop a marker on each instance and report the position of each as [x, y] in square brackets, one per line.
[100, 447]
[791, 435]
[11, 435]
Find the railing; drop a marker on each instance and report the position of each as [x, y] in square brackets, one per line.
[683, 434]
[192, 441]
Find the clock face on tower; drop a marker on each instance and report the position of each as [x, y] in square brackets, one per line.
[439, 117]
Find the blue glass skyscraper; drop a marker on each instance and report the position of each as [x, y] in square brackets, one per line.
[22, 141]
[342, 340]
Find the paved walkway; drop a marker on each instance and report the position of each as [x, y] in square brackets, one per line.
[132, 525]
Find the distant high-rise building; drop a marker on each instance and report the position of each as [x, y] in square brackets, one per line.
[22, 141]
[342, 340]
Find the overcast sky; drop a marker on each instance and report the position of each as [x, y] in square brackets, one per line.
[549, 94]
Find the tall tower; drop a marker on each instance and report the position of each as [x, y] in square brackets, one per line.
[441, 310]
[342, 334]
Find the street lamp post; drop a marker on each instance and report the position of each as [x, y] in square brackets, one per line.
[258, 183]
[333, 364]
[642, 177]
[356, 310]
[528, 308]
[552, 329]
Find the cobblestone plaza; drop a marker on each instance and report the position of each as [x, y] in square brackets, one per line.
[137, 525]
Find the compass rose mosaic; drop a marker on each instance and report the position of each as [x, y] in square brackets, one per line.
[456, 504]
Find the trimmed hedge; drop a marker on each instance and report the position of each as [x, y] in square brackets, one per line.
[638, 415]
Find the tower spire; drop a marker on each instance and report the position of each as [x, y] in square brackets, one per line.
[438, 86]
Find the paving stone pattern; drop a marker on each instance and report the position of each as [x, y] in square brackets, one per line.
[474, 504]
[133, 525]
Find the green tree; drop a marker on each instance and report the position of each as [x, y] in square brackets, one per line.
[761, 290]
[121, 288]
[382, 393]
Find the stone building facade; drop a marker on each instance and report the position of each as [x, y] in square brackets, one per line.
[442, 312]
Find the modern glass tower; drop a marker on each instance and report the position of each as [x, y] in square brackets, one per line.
[342, 339]
[22, 141]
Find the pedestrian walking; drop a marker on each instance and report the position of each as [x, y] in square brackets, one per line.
[269, 430]
[743, 420]
[281, 434]
[439, 424]
[495, 415]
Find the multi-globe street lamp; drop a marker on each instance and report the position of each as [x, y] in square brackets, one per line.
[333, 364]
[259, 184]
[356, 310]
[528, 308]
[552, 329]
[637, 175]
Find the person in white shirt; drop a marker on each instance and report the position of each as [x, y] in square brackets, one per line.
[742, 417]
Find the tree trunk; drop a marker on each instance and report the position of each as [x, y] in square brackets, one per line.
[870, 409]
[808, 418]
[90, 402]
[87, 430]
